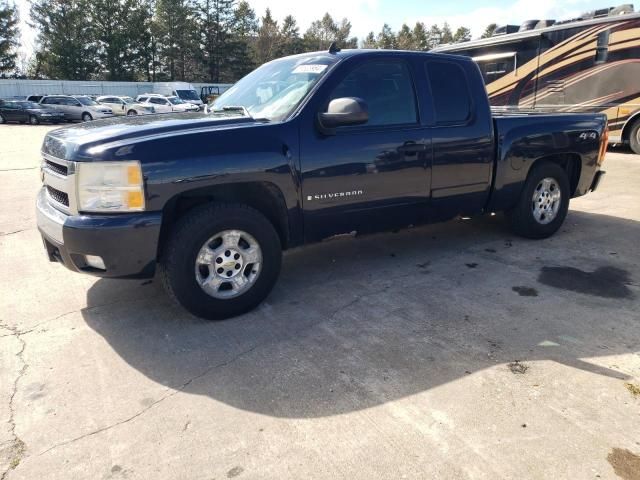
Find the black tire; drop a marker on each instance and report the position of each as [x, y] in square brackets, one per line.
[86, 117]
[2, 120]
[33, 120]
[191, 232]
[132, 113]
[634, 137]
[521, 218]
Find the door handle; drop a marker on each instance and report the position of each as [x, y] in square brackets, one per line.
[411, 148]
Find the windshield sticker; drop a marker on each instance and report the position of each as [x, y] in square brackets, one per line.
[311, 68]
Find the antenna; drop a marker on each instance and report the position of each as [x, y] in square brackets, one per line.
[333, 48]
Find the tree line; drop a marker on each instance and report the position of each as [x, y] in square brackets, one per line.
[194, 40]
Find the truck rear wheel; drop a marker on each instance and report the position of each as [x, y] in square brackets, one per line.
[543, 203]
[634, 137]
[221, 260]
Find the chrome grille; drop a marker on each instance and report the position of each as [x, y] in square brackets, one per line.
[57, 168]
[58, 196]
[58, 177]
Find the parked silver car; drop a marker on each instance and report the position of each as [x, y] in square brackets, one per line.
[77, 107]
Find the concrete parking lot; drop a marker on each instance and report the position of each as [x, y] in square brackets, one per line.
[450, 351]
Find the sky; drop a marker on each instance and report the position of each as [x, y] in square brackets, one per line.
[370, 15]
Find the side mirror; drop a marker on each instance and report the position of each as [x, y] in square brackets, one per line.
[343, 112]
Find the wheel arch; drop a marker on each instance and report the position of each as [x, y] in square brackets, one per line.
[265, 197]
[628, 125]
[571, 163]
[508, 186]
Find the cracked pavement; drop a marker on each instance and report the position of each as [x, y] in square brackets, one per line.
[447, 351]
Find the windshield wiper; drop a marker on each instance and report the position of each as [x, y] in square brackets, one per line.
[239, 108]
[233, 108]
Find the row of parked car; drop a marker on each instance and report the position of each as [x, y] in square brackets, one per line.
[36, 109]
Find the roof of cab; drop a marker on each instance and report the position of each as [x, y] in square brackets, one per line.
[372, 52]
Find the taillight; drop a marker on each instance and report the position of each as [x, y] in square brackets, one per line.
[604, 142]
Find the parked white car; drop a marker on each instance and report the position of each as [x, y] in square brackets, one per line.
[164, 104]
[183, 90]
[79, 107]
[122, 105]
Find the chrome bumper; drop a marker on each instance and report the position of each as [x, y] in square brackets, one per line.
[49, 220]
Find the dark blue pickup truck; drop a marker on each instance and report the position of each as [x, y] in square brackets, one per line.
[303, 148]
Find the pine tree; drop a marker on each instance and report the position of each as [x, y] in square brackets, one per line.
[174, 22]
[120, 30]
[65, 48]
[290, 41]
[386, 38]
[420, 37]
[244, 30]
[8, 36]
[322, 33]
[342, 35]
[370, 41]
[447, 35]
[488, 32]
[434, 37]
[463, 34]
[268, 39]
[405, 40]
[216, 18]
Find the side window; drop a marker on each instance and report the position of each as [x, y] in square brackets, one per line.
[386, 87]
[602, 47]
[49, 101]
[450, 90]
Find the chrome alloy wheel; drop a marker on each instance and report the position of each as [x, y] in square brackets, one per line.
[546, 201]
[228, 264]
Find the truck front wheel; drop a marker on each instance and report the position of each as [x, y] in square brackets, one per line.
[543, 203]
[221, 260]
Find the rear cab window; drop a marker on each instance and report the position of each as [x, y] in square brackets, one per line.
[450, 91]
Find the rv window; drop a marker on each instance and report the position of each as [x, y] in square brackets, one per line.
[602, 47]
[496, 68]
[450, 90]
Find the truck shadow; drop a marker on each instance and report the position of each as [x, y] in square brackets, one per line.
[355, 323]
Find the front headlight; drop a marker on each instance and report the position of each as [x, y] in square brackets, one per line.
[110, 187]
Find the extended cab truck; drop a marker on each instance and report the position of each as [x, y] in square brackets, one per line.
[303, 148]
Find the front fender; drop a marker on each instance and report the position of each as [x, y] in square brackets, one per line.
[199, 160]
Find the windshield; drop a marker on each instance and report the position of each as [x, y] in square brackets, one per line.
[86, 101]
[29, 105]
[275, 89]
[127, 99]
[188, 94]
[175, 100]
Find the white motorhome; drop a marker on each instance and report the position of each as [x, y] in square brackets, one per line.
[183, 90]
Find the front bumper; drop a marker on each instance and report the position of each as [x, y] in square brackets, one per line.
[127, 243]
[52, 118]
[596, 180]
